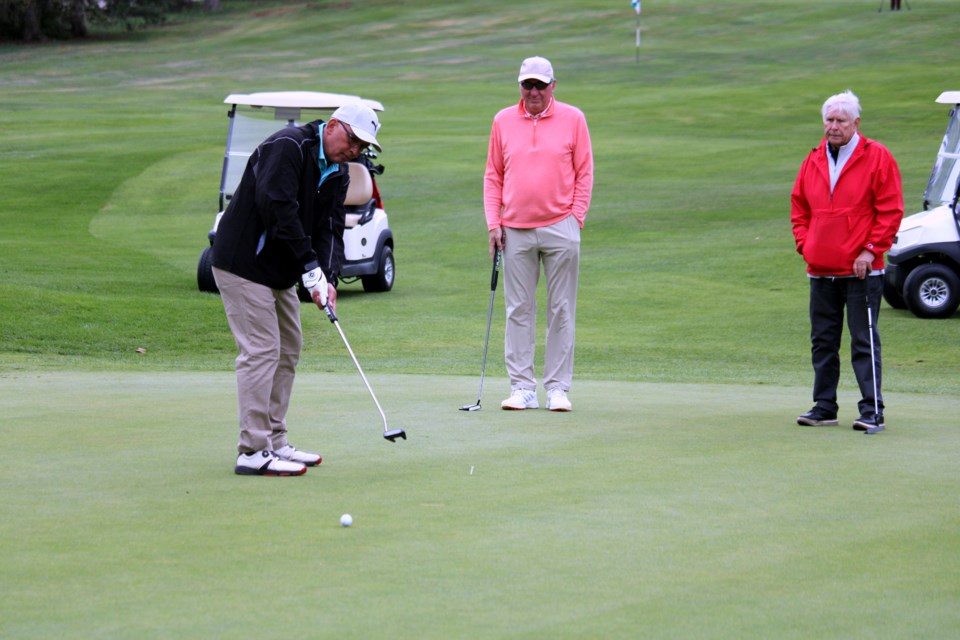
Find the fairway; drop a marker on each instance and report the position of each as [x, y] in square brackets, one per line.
[678, 510]
[678, 500]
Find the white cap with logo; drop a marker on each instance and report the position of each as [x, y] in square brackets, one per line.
[362, 119]
[537, 68]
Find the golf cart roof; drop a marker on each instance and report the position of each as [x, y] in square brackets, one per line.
[942, 188]
[949, 97]
[299, 100]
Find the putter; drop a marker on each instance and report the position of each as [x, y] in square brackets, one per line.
[388, 434]
[486, 343]
[873, 366]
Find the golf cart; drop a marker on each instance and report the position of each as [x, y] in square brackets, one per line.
[923, 265]
[367, 239]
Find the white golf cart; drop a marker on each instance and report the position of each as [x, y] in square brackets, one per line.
[923, 265]
[367, 238]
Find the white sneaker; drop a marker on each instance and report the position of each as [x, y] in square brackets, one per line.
[292, 454]
[266, 463]
[521, 399]
[557, 400]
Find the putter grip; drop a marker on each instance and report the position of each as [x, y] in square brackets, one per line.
[496, 271]
[330, 313]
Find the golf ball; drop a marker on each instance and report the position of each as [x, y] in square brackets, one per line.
[346, 520]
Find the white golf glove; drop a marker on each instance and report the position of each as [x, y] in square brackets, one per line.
[315, 281]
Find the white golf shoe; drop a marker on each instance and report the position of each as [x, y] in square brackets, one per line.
[292, 454]
[266, 463]
[557, 400]
[521, 399]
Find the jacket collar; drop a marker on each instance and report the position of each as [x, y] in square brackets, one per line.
[522, 110]
[821, 151]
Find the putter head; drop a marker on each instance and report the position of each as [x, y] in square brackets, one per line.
[393, 434]
[878, 428]
[470, 407]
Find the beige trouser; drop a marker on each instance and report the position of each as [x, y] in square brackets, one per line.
[558, 248]
[266, 327]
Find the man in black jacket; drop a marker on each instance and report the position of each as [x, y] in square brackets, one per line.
[284, 224]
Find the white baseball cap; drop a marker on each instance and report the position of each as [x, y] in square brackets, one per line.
[362, 119]
[537, 68]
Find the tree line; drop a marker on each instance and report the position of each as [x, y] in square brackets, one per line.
[33, 20]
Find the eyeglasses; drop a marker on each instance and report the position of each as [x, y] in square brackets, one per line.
[351, 138]
[535, 84]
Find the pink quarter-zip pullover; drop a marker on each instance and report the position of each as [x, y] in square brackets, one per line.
[539, 168]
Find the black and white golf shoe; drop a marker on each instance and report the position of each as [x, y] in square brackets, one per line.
[818, 417]
[292, 454]
[266, 463]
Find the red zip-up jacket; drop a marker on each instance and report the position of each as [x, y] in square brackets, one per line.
[863, 212]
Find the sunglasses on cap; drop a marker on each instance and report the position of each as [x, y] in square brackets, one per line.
[535, 84]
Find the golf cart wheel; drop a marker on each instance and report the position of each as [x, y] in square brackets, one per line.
[932, 291]
[205, 281]
[382, 280]
[890, 293]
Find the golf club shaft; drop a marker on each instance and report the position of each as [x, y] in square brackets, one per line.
[336, 323]
[873, 362]
[486, 342]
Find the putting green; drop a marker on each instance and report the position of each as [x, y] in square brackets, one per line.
[652, 510]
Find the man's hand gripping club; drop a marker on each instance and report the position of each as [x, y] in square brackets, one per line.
[320, 290]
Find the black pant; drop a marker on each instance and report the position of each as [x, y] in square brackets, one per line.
[828, 299]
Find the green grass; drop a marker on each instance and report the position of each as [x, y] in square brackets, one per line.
[676, 501]
[112, 150]
[655, 510]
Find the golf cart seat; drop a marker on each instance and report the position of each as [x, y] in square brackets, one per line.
[359, 201]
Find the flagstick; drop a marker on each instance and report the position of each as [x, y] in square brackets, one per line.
[638, 37]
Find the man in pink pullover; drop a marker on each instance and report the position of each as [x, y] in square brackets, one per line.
[536, 192]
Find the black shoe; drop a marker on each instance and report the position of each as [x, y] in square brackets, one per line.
[818, 417]
[870, 424]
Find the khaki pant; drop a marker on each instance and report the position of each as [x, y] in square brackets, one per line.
[266, 327]
[558, 248]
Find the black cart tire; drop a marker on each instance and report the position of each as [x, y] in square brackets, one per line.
[383, 279]
[932, 291]
[205, 280]
[890, 293]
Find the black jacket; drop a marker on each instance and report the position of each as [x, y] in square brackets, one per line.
[278, 224]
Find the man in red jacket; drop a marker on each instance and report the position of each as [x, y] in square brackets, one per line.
[846, 208]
